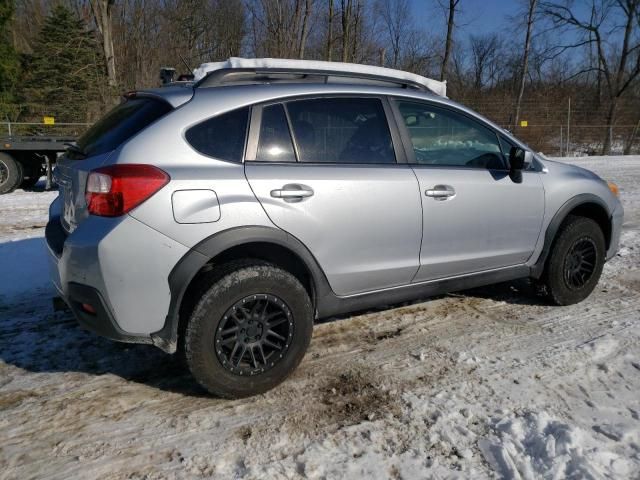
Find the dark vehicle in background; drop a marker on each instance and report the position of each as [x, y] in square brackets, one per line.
[25, 159]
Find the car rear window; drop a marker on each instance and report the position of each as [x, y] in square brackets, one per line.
[120, 124]
[221, 137]
[341, 130]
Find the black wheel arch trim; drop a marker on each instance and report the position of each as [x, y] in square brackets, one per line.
[326, 302]
[550, 234]
[195, 259]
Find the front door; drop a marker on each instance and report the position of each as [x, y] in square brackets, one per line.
[475, 217]
[338, 189]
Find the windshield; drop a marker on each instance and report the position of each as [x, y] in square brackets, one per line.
[119, 125]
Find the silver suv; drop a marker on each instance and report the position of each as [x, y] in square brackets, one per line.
[223, 217]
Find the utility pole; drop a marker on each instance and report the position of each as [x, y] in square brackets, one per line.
[568, 127]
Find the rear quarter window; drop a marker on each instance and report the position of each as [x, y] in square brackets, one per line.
[222, 137]
[122, 123]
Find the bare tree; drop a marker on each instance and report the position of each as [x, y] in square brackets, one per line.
[618, 62]
[102, 13]
[531, 11]
[305, 27]
[484, 54]
[280, 27]
[451, 12]
[396, 17]
[328, 55]
[346, 14]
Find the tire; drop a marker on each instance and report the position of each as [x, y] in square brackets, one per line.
[271, 306]
[32, 174]
[575, 263]
[10, 173]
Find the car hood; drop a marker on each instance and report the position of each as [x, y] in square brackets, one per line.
[568, 169]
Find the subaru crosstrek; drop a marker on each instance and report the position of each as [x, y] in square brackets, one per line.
[223, 217]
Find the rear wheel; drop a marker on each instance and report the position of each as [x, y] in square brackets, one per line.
[10, 173]
[575, 262]
[249, 331]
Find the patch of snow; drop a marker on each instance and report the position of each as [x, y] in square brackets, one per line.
[532, 445]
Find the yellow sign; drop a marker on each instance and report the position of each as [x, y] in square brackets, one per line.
[49, 120]
[524, 123]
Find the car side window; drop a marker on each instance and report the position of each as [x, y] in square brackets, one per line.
[341, 130]
[446, 138]
[274, 143]
[222, 137]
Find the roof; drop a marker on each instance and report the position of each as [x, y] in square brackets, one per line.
[321, 68]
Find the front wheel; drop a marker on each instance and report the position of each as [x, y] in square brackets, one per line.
[575, 262]
[249, 331]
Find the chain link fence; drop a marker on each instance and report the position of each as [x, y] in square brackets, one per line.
[579, 140]
[554, 128]
[565, 126]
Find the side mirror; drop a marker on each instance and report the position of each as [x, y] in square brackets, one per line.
[519, 160]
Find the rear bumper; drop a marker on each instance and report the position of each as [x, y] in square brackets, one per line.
[117, 266]
[102, 321]
[76, 295]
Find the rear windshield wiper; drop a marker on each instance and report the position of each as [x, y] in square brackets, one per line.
[72, 147]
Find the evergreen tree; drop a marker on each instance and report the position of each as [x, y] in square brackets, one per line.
[65, 72]
[9, 59]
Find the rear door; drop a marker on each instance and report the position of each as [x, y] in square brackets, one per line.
[475, 217]
[336, 185]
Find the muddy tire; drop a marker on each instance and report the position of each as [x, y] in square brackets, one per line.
[575, 263]
[249, 331]
[10, 173]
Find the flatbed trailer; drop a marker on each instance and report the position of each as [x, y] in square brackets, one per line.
[25, 159]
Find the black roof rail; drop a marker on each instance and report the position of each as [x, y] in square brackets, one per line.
[229, 76]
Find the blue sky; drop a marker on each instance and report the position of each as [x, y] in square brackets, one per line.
[476, 16]
[482, 16]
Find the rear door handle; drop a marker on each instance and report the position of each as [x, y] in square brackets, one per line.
[441, 192]
[292, 192]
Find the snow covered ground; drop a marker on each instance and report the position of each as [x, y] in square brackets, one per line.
[482, 384]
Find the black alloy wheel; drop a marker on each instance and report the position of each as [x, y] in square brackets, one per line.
[580, 263]
[254, 334]
[250, 328]
[575, 261]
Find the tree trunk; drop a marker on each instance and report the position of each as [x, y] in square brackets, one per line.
[447, 47]
[305, 28]
[102, 10]
[330, 32]
[346, 29]
[525, 59]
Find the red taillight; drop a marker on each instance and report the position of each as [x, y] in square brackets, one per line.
[88, 308]
[114, 190]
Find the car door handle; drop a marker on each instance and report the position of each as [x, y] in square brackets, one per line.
[441, 192]
[293, 192]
